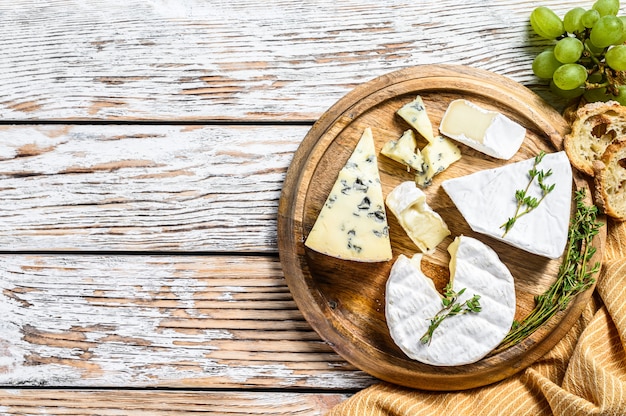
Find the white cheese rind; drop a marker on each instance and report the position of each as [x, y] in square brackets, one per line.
[499, 136]
[415, 114]
[423, 225]
[486, 199]
[411, 301]
[352, 224]
[404, 150]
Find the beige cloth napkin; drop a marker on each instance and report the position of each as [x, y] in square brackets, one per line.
[585, 374]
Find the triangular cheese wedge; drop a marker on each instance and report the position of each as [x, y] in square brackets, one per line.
[352, 224]
[415, 114]
[411, 301]
[486, 199]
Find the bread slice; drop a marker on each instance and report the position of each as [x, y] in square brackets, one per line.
[610, 181]
[595, 127]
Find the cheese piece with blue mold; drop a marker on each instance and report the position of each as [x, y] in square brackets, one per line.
[415, 114]
[404, 151]
[352, 224]
[438, 156]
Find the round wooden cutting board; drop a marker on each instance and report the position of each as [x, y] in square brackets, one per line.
[344, 301]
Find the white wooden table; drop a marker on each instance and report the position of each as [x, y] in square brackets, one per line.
[143, 146]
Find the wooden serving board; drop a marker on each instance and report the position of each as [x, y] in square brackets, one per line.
[344, 301]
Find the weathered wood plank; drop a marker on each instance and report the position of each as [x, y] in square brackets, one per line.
[148, 321]
[161, 403]
[133, 188]
[242, 59]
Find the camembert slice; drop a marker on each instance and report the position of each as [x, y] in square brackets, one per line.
[415, 114]
[352, 224]
[486, 199]
[411, 300]
[422, 224]
[404, 150]
[489, 132]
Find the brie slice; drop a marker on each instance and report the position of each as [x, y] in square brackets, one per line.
[424, 226]
[486, 131]
[486, 199]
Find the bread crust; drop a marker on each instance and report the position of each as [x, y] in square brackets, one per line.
[596, 126]
[610, 181]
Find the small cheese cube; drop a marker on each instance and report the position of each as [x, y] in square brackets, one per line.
[437, 155]
[404, 150]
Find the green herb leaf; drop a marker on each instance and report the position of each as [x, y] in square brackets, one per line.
[574, 275]
[450, 308]
[525, 202]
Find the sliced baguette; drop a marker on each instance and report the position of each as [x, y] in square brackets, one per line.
[595, 127]
[610, 181]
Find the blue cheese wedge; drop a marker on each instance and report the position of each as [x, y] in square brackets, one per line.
[487, 131]
[486, 199]
[352, 224]
[405, 151]
[438, 156]
[411, 300]
[415, 114]
[422, 224]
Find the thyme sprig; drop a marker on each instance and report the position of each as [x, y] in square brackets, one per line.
[525, 202]
[450, 308]
[574, 277]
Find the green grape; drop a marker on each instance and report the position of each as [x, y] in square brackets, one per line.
[596, 94]
[593, 48]
[623, 38]
[572, 20]
[545, 64]
[589, 18]
[606, 7]
[616, 57]
[568, 50]
[573, 93]
[546, 23]
[569, 76]
[607, 30]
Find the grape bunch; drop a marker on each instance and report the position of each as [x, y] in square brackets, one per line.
[588, 57]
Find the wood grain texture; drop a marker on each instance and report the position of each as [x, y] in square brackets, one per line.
[112, 315]
[243, 59]
[161, 403]
[345, 300]
[148, 321]
[136, 188]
